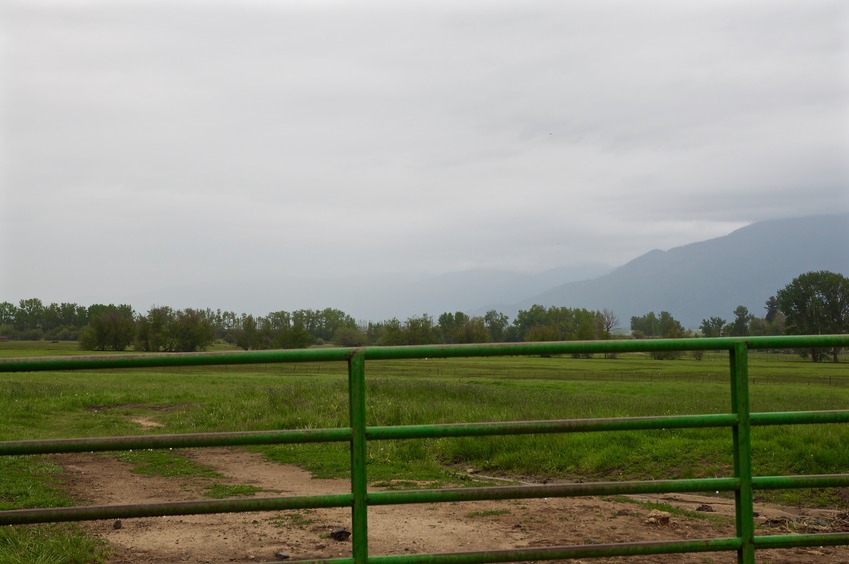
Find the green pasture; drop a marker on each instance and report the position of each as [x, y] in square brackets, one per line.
[314, 395]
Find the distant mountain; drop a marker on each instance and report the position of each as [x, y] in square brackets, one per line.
[467, 289]
[692, 282]
[713, 277]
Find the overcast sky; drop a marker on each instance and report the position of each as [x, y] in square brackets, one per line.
[150, 144]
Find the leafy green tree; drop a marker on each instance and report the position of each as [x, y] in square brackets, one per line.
[460, 328]
[349, 337]
[742, 321]
[496, 323]
[473, 331]
[419, 330]
[670, 327]
[451, 326]
[663, 326]
[712, 327]
[29, 315]
[527, 319]
[193, 331]
[63, 321]
[246, 335]
[110, 328]
[816, 303]
[772, 309]
[155, 332]
[227, 323]
[644, 326]
[8, 313]
[329, 320]
[586, 326]
[651, 326]
[280, 320]
[560, 324]
[321, 324]
[538, 333]
[278, 330]
[375, 332]
[390, 333]
[416, 330]
[295, 338]
[760, 327]
[50, 318]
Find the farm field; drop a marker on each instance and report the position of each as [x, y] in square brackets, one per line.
[183, 400]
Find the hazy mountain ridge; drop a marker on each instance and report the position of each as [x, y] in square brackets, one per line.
[692, 282]
[713, 277]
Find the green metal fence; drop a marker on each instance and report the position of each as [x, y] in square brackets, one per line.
[739, 420]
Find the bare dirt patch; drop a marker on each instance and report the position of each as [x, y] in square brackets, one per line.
[99, 479]
[146, 422]
[454, 527]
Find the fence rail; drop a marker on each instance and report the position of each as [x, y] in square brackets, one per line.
[739, 420]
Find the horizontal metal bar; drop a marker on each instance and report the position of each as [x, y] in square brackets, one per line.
[83, 513]
[790, 541]
[549, 426]
[619, 346]
[554, 552]
[548, 490]
[161, 360]
[799, 417]
[95, 512]
[189, 440]
[797, 482]
[420, 351]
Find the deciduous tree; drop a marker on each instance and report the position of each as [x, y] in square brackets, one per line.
[110, 327]
[816, 303]
[496, 323]
[712, 327]
[742, 321]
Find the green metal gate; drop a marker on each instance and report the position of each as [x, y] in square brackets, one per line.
[738, 419]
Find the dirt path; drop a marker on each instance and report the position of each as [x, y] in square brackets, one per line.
[408, 529]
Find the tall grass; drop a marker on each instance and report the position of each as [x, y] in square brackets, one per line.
[35, 482]
[91, 403]
[49, 544]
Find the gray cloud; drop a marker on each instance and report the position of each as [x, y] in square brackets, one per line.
[150, 144]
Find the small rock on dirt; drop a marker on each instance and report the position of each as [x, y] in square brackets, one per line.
[340, 534]
[705, 507]
[117, 524]
[280, 555]
[657, 517]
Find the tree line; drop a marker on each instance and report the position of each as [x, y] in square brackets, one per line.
[813, 303]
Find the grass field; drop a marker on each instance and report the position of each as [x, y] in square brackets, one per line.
[98, 403]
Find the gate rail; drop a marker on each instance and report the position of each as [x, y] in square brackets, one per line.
[357, 434]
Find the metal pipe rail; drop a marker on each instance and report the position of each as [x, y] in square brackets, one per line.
[357, 434]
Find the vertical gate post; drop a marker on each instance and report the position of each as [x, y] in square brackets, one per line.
[359, 483]
[742, 438]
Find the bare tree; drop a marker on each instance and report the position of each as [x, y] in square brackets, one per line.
[610, 323]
